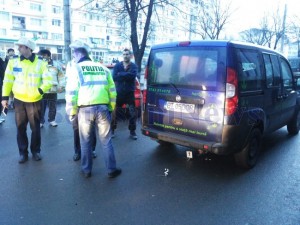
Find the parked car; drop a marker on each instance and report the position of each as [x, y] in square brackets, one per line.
[218, 96]
[137, 94]
[295, 64]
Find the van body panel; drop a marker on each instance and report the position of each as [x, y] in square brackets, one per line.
[199, 114]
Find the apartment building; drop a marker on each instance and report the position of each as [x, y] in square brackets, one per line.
[43, 21]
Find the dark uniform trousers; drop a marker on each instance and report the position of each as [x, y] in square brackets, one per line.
[28, 112]
[77, 147]
[49, 99]
[128, 99]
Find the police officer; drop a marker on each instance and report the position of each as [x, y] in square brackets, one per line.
[91, 93]
[58, 86]
[28, 78]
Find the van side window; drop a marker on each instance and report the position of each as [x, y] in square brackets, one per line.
[287, 76]
[249, 72]
[276, 70]
[272, 70]
[269, 70]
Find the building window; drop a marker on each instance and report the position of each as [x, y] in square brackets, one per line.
[56, 9]
[56, 36]
[82, 28]
[3, 32]
[56, 23]
[4, 16]
[97, 56]
[36, 22]
[18, 22]
[35, 7]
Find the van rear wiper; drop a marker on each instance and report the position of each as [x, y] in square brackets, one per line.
[174, 86]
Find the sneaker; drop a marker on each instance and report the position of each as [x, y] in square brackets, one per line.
[36, 156]
[76, 157]
[53, 123]
[94, 155]
[87, 175]
[23, 158]
[114, 174]
[41, 125]
[133, 135]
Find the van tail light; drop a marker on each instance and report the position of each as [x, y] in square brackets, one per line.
[231, 102]
[146, 72]
[144, 98]
[145, 90]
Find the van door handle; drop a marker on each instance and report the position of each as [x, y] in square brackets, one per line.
[279, 97]
[285, 96]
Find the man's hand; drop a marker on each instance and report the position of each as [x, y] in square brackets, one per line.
[71, 118]
[60, 89]
[4, 103]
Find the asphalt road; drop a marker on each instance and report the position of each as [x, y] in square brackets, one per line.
[206, 190]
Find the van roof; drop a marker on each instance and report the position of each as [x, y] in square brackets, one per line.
[215, 43]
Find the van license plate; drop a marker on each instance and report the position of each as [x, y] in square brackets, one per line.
[180, 107]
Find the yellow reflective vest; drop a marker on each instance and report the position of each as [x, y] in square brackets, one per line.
[88, 83]
[24, 78]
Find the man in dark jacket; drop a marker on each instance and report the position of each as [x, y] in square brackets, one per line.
[124, 75]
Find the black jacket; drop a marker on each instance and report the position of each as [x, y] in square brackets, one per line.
[2, 70]
[125, 78]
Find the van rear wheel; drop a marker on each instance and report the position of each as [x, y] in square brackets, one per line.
[247, 158]
[164, 143]
[293, 127]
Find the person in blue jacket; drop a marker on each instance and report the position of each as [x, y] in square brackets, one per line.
[124, 75]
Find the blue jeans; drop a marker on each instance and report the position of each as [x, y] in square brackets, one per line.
[89, 118]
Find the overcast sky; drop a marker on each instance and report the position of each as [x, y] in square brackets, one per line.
[248, 13]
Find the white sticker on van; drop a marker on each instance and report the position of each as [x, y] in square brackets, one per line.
[180, 107]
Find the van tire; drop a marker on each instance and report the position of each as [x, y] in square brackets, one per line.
[247, 158]
[293, 127]
[164, 143]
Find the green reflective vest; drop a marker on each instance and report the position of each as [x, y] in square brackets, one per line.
[89, 83]
[23, 78]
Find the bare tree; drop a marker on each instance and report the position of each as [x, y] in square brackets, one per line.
[270, 32]
[212, 18]
[294, 31]
[261, 35]
[135, 13]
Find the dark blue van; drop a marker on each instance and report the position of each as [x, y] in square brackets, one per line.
[218, 96]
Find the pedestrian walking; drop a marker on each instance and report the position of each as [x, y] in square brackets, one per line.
[90, 93]
[27, 77]
[124, 75]
[58, 86]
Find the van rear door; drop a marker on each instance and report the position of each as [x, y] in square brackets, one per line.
[186, 91]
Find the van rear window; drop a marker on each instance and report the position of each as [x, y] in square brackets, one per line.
[199, 67]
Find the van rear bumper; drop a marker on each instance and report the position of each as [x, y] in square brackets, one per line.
[216, 148]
